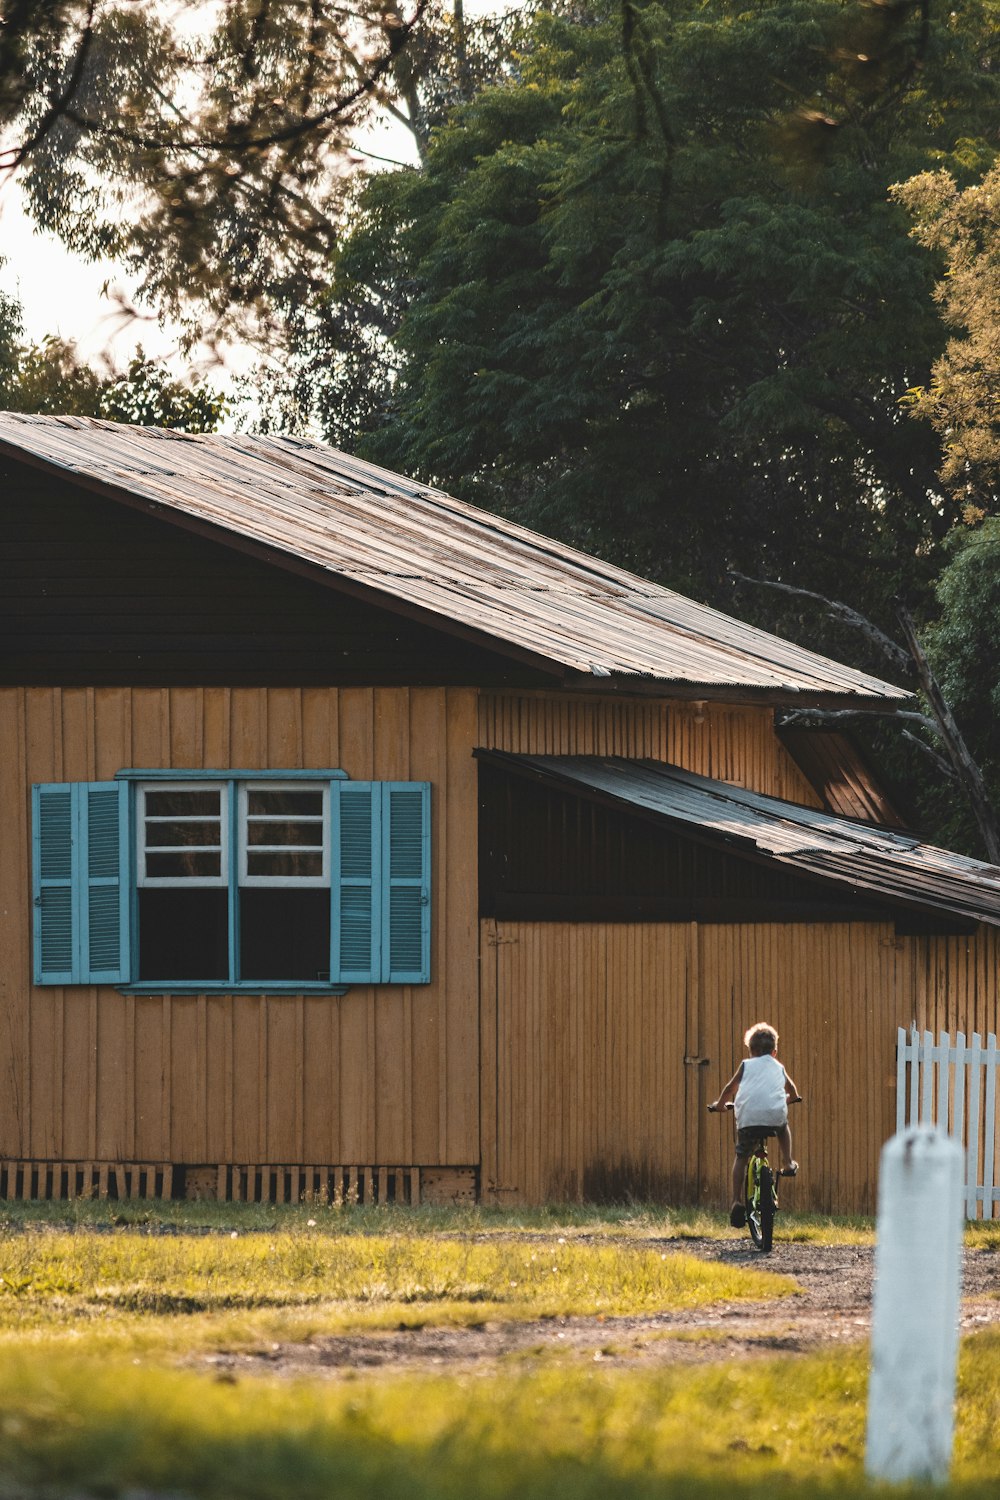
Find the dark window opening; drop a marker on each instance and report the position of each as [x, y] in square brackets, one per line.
[285, 933]
[183, 933]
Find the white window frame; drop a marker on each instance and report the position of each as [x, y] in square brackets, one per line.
[186, 882]
[244, 789]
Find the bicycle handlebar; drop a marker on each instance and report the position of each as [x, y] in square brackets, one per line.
[713, 1109]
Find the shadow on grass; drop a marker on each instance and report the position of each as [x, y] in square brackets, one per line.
[351, 1457]
[86, 1428]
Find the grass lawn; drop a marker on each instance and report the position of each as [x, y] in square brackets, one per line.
[100, 1303]
[195, 1276]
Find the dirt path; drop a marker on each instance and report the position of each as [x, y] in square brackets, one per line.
[834, 1307]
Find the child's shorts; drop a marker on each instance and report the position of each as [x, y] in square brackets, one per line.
[748, 1136]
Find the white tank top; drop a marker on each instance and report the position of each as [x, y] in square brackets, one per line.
[760, 1098]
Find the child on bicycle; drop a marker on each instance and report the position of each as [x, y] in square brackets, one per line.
[761, 1092]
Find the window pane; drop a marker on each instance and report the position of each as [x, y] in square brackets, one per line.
[277, 802]
[183, 803]
[285, 833]
[291, 862]
[167, 835]
[183, 863]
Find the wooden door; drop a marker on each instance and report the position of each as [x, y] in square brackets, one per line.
[586, 1093]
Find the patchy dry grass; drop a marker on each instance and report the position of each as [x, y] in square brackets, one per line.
[283, 1274]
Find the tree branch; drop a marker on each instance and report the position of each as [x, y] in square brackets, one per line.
[831, 715]
[238, 140]
[939, 760]
[962, 767]
[12, 157]
[966, 770]
[900, 659]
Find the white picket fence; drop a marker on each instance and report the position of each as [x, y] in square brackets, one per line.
[952, 1083]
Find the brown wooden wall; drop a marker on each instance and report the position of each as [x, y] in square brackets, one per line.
[596, 1034]
[734, 744]
[394, 1074]
[387, 1074]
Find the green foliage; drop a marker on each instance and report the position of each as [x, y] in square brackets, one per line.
[146, 395]
[649, 294]
[10, 335]
[51, 380]
[962, 646]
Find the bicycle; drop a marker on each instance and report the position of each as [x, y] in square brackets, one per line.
[760, 1188]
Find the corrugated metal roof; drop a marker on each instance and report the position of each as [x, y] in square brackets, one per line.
[406, 543]
[893, 866]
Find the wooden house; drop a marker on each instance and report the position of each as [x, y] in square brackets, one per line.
[357, 843]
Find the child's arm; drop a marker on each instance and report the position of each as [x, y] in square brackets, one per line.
[729, 1092]
[791, 1092]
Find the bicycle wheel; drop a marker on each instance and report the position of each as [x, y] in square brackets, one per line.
[753, 1199]
[766, 1199]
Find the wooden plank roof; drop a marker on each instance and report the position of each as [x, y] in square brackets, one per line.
[838, 771]
[891, 866]
[414, 549]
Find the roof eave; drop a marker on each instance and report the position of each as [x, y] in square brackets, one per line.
[808, 868]
[289, 562]
[562, 674]
[635, 684]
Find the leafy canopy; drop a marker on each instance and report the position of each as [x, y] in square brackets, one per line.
[50, 379]
[962, 398]
[207, 146]
[647, 292]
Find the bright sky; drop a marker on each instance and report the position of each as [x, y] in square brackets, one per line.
[59, 292]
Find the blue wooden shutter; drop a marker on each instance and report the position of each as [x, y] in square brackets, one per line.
[406, 882]
[56, 938]
[355, 918]
[80, 883]
[103, 882]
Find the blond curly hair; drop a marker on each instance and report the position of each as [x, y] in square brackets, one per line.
[761, 1037]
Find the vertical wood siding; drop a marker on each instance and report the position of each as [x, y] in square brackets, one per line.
[580, 1085]
[376, 1075]
[738, 745]
[600, 1034]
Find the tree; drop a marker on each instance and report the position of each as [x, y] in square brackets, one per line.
[206, 146]
[648, 294]
[50, 379]
[145, 394]
[962, 398]
[11, 330]
[962, 646]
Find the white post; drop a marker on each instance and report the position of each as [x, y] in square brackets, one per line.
[918, 1270]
